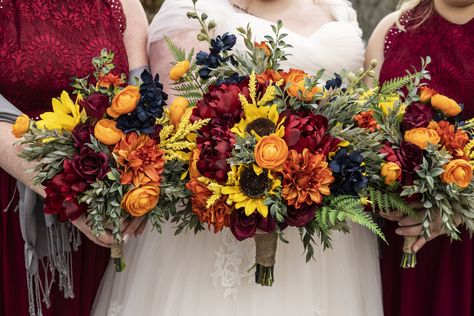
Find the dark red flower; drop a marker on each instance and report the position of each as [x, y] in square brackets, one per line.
[96, 104]
[299, 217]
[61, 194]
[417, 115]
[308, 130]
[81, 134]
[390, 154]
[90, 165]
[222, 101]
[243, 226]
[215, 143]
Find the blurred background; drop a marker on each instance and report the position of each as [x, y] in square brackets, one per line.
[370, 11]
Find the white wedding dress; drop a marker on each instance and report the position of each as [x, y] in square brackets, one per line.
[206, 274]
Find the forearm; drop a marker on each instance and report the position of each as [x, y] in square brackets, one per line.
[11, 163]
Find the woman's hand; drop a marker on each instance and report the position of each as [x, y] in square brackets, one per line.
[104, 240]
[413, 226]
[136, 226]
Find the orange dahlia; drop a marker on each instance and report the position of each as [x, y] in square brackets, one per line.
[367, 120]
[453, 141]
[306, 178]
[218, 215]
[140, 160]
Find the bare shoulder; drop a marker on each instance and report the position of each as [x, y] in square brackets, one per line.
[376, 44]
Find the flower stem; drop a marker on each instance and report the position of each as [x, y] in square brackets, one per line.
[116, 253]
[409, 256]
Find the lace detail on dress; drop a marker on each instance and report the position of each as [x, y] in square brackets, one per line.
[233, 260]
[114, 309]
[117, 11]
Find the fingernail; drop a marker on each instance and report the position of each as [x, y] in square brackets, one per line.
[126, 237]
[398, 231]
[415, 248]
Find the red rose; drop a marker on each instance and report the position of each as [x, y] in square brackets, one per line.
[299, 217]
[96, 104]
[417, 115]
[222, 101]
[81, 134]
[243, 226]
[308, 130]
[90, 165]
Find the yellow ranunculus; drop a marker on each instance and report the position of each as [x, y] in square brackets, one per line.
[391, 172]
[458, 171]
[271, 152]
[179, 70]
[107, 132]
[426, 94]
[21, 126]
[177, 109]
[295, 78]
[422, 137]
[66, 114]
[124, 102]
[137, 202]
[446, 105]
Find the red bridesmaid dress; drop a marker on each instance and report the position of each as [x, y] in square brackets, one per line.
[43, 43]
[442, 284]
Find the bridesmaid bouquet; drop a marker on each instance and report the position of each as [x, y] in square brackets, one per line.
[98, 152]
[428, 153]
[272, 152]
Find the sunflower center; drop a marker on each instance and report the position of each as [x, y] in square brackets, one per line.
[261, 126]
[254, 185]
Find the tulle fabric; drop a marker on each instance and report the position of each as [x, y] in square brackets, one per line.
[207, 274]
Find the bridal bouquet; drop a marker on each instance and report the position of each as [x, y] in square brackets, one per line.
[268, 156]
[427, 153]
[98, 152]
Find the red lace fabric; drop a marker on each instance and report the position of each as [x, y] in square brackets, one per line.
[43, 43]
[443, 282]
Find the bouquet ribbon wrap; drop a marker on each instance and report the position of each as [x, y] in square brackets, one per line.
[48, 243]
[265, 252]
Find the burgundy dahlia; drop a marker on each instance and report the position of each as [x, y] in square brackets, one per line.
[61, 194]
[307, 130]
[215, 143]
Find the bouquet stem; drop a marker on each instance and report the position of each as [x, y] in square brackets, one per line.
[409, 257]
[116, 253]
[266, 246]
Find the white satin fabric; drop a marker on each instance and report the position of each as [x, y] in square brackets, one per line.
[206, 274]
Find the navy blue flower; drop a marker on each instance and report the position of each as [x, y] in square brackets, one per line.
[233, 79]
[349, 172]
[149, 108]
[223, 42]
[334, 83]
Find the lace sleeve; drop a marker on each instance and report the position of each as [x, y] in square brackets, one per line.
[118, 14]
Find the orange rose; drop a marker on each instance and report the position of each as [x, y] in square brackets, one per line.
[107, 132]
[391, 172]
[21, 126]
[426, 94]
[296, 78]
[105, 81]
[124, 102]
[458, 171]
[263, 46]
[137, 202]
[271, 152]
[422, 137]
[179, 70]
[193, 170]
[446, 105]
[177, 109]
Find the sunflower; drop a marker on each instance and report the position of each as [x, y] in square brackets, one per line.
[247, 189]
[259, 119]
[66, 114]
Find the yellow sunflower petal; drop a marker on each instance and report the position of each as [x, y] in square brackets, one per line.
[262, 208]
[250, 207]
